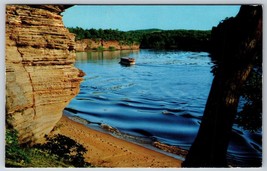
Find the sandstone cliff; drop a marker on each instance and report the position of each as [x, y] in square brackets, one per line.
[40, 76]
[89, 44]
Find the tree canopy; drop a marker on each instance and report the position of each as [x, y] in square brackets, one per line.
[194, 40]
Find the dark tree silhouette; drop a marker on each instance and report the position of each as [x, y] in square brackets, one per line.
[237, 45]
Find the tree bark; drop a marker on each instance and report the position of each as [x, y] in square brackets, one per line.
[210, 146]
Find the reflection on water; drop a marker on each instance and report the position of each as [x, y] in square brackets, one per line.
[160, 98]
[103, 57]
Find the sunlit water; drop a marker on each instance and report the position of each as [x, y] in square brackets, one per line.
[160, 98]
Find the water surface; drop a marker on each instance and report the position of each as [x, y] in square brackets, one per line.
[160, 98]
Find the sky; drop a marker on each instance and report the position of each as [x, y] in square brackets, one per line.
[135, 17]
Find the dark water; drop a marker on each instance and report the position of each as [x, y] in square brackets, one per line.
[161, 98]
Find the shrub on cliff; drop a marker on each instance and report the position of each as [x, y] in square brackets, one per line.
[48, 155]
[111, 48]
[15, 155]
[24, 156]
[100, 48]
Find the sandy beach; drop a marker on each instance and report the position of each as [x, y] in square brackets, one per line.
[107, 151]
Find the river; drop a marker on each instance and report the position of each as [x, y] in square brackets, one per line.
[160, 98]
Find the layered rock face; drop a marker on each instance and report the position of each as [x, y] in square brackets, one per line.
[40, 76]
[89, 44]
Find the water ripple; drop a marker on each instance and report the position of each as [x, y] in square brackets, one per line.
[162, 98]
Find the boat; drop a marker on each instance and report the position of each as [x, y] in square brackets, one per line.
[127, 61]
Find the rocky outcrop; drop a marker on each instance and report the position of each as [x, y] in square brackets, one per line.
[89, 44]
[171, 149]
[40, 76]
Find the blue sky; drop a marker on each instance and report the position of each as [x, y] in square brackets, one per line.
[133, 17]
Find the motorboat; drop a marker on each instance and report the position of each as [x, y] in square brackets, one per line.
[127, 61]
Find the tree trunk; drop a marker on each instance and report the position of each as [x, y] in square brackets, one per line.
[210, 146]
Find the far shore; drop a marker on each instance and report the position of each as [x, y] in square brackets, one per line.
[105, 150]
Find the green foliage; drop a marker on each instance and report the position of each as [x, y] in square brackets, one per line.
[151, 38]
[66, 149]
[70, 153]
[100, 48]
[111, 48]
[20, 156]
[250, 118]
[128, 37]
[192, 40]
[40, 158]
[13, 150]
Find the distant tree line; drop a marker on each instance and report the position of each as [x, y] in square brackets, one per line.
[107, 34]
[193, 40]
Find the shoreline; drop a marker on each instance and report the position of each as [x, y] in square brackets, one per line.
[105, 150]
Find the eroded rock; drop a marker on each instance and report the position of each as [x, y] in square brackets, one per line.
[40, 76]
[89, 44]
[171, 149]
